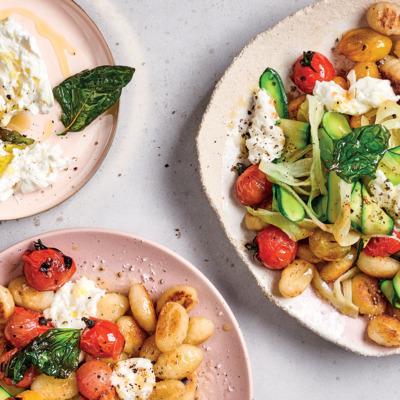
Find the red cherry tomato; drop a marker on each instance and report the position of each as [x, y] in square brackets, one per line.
[29, 376]
[253, 186]
[383, 246]
[25, 325]
[309, 68]
[94, 380]
[274, 248]
[47, 268]
[102, 339]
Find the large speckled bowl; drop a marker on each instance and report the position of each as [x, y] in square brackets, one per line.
[317, 28]
[115, 260]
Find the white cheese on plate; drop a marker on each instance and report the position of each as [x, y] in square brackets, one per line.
[32, 168]
[133, 379]
[386, 195]
[24, 83]
[362, 96]
[73, 301]
[267, 139]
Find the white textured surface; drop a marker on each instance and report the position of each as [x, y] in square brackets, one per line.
[180, 49]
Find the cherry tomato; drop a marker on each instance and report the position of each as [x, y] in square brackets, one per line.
[309, 68]
[383, 246]
[47, 268]
[253, 186]
[25, 325]
[102, 339]
[29, 376]
[273, 248]
[94, 380]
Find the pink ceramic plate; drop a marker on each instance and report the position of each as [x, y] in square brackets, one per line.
[88, 50]
[116, 260]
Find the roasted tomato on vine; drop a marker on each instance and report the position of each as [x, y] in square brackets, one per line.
[383, 246]
[94, 380]
[253, 186]
[47, 268]
[24, 325]
[273, 248]
[310, 68]
[29, 376]
[102, 338]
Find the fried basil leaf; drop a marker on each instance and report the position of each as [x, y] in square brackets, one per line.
[55, 353]
[84, 96]
[358, 153]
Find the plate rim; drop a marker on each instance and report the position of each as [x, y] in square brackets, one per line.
[163, 249]
[114, 109]
[215, 199]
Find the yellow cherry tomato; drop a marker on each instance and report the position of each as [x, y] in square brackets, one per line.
[28, 395]
[364, 44]
[366, 68]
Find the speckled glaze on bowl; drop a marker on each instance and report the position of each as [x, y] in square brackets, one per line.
[87, 148]
[116, 260]
[316, 28]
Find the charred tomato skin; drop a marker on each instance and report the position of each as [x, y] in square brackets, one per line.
[310, 68]
[253, 186]
[47, 268]
[273, 248]
[24, 325]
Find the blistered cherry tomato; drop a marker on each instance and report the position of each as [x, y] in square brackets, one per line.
[47, 268]
[383, 246]
[29, 376]
[102, 339]
[273, 248]
[25, 325]
[310, 68]
[253, 186]
[94, 380]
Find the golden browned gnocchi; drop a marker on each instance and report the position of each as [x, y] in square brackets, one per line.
[149, 349]
[133, 334]
[172, 327]
[199, 330]
[142, 308]
[185, 295]
[384, 17]
[296, 278]
[168, 390]
[51, 388]
[112, 306]
[178, 363]
[7, 304]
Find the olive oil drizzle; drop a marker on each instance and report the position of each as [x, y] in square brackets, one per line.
[59, 43]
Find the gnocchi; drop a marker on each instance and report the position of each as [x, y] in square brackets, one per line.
[133, 334]
[168, 390]
[384, 17]
[51, 388]
[172, 327]
[384, 330]
[178, 363]
[112, 306]
[7, 305]
[142, 308]
[149, 349]
[380, 267]
[295, 278]
[185, 295]
[199, 330]
[332, 270]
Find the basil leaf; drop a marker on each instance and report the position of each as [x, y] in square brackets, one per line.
[55, 353]
[84, 96]
[358, 153]
[14, 137]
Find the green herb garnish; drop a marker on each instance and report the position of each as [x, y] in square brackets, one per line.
[55, 353]
[84, 96]
[358, 153]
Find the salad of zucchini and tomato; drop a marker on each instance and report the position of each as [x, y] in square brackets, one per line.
[320, 177]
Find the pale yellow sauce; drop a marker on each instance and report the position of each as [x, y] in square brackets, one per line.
[48, 129]
[20, 122]
[60, 45]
